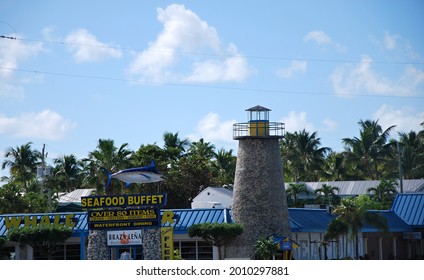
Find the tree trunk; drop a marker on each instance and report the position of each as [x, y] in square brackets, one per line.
[356, 247]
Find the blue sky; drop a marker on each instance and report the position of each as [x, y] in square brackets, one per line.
[129, 71]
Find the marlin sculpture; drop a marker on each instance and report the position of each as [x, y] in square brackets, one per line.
[146, 174]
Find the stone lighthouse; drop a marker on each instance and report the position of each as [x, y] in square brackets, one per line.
[259, 198]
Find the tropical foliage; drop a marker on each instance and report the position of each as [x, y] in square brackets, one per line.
[189, 167]
[384, 193]
[326, 194]
[216, 234]
[265, 248]
[22, 162]
[352, 215]
[303, 155]
[370, 150]
[293, 191]
[44, 237]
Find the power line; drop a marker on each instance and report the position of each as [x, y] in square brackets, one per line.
[218, 55]
[7, 37]
[14, 30]
[277, 91]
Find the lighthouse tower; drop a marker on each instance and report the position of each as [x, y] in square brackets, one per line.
[259, 199]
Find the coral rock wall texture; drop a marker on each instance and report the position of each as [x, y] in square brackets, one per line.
[260, 203]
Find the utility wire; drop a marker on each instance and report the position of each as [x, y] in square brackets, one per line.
[208, 86]
[217, 55]
[205, 54]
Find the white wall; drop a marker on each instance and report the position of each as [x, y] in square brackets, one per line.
[211, 198]
[309, 247]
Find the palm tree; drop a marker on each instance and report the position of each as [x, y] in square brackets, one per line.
[323, 244]
[224, 164]
[173, 145]
[412, 154]
[370, 149]
[355, 215]
[335, 229]
[336, 168]
[304, 155]
[202, 149]
[384, 193]
[22, 162]
[108, 156]
[69, 169]
[326, 193]
[294, 190]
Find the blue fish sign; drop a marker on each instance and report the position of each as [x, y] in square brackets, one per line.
[146, 174]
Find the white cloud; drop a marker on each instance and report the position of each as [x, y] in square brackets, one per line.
[329, 124]
[211, 128]
[323, 40]
[398, 46]
[49, 33]
[319, 37]
[297, 121]
[405, 118]
[87, 48]
[186, 35]
[13, 52]
[11, 92]
[296, 66]
[390, 41]
[46, 125]
[231, 69]
[361, 78]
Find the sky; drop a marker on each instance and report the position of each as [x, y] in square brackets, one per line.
[74, 72]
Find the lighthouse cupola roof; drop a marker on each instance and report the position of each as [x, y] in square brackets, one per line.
[258, 108]
[258, 113]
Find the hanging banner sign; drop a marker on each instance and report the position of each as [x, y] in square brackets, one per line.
[133, 200]
[124, 238]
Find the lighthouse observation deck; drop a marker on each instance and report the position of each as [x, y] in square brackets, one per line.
[258, 129]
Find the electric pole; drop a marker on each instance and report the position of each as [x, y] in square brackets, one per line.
[400, 167]
[43, 168]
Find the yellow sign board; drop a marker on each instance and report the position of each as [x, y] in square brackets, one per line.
[135, 200]
[118, 215]
[167, 242]
[67, 220]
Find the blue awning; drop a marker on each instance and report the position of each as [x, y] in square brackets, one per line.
[410, 208]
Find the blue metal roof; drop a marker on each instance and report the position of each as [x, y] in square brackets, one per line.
[184, 219]
[406, 214]
[310, 220]
[410, 207]
[394, 222]
[188, 217]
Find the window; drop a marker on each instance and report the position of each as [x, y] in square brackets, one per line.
[64, 252]
[204, 251]
[7, 253]
[194, 250]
